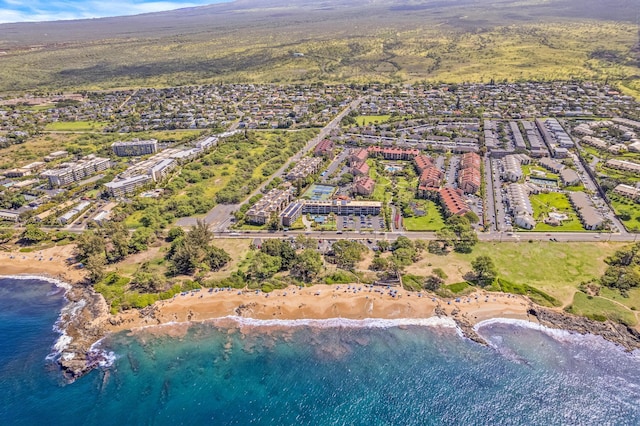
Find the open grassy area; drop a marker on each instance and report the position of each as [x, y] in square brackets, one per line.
[627, 211]
[554, 202]
[537, 171]
[431, 221]
[600, 309]
[365, 120]
[75, 126]
[555, 268]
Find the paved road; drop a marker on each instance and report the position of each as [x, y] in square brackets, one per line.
[490, 205]
[496, 237]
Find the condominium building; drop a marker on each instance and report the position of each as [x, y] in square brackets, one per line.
[135, 148]
[127, 186]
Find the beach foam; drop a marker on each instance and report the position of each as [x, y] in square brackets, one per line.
[560, 335]
[442, 322]
[55, 281]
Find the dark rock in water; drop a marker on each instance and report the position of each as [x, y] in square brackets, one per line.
[625, 336]
[467, 329]
[85, 327]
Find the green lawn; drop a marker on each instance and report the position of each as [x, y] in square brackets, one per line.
[555, 268]
[624, 207]
[75, 126]
[432, 221]
[365, 120]
[528, 169]
[599, 308]
[543, 204]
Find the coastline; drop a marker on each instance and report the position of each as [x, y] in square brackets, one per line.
[85, 320]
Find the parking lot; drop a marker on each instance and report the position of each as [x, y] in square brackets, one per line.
[360, 223]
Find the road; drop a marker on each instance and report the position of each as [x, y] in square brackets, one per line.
[497, 237]
[490, 205]
[219, 218]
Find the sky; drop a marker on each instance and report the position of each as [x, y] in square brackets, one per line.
[52, 10]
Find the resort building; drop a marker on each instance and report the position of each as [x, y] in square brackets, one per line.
[305, 167]
[469, 176]
[452, 201]
[68, 216]
[360, 169]
[364, 185]
[551, 165]
[423, 162]
[342, 207]
[512, 168]
[627, 166]
[290, 214]
[394, 153]
[161, 170]
[127, 186]
[358, 155]
[9, 216]
[56, 155]
[135, 148]
[324, 148]
[589, 216]
[569, 177]
[627, 191]
[272, 203]
[520, 206]
[74, 172]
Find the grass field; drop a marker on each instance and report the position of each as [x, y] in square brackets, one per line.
[624, 207]
[600, 309]
[555, 268]
[76, 126]
[543, 204]
[365, 120]
[432, 221]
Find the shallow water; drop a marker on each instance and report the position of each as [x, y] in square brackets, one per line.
[331, 372]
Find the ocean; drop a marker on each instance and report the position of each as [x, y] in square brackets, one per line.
[249, 372]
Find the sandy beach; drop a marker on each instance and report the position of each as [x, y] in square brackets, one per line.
[322, 302]
[49, 262]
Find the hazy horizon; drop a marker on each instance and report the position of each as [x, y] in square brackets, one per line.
[15, 11]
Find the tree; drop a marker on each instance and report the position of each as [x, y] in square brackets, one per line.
[89, 244]
[484, 270]
[95, 264]
[185, 259]
[305, 242]
[348, 253]
[307, 265]
[199, 235]
[175, 233]
[383, 245]
[263, 266]
[141, 239]
[281, 249]
[33, 234]
[216, 258]
[433, 283]
[379, 264]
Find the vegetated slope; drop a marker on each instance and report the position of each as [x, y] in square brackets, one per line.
[348, 40]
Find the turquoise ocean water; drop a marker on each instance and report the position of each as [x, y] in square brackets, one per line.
[258, 373]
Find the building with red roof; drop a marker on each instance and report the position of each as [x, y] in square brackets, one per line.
[364, 185]
[422, 162]
[452, 201]
[358, 155]
[469, 180]
[360, 169]
[324, 148]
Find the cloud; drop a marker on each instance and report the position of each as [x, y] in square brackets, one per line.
[44, 10]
